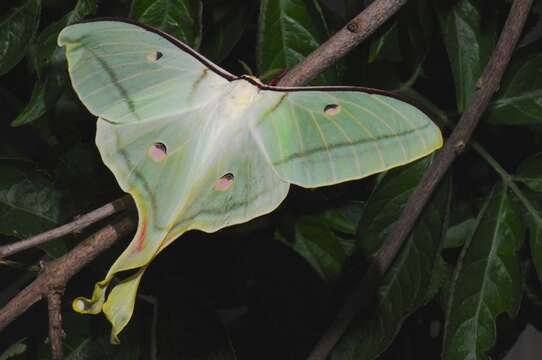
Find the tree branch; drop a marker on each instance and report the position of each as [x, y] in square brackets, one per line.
[357, 30]
[54, 301]
[58, 272]
[487, 85]
[75, 226]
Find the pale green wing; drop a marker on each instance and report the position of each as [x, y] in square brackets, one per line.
[124, 72]
[317, 137]
[166, 134]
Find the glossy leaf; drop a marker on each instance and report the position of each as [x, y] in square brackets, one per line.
[417, 27]
[458, 234]
[44, 97]
[386, 46]
[45, 50]
[413, 279]
[50, 65]
[469, 37]
[17, 28]
[317, 239]
[386, 204]
[487, 280]
[180, 18]
[406, 41]
[289, 30]
[29, 204]
[519, 101]
[530, 172]
[228, 22]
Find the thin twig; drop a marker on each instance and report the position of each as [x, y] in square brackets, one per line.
[54, 301]
[487, 85]
[357, 30]
[58, 272]
[75, 226]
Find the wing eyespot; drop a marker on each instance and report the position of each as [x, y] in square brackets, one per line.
[157, 151]
[224, 182]
[332, 109]
[154, 56]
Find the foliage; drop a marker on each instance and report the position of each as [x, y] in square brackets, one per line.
[268, 289]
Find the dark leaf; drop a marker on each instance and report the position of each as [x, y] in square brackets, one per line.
[29, 204]
[228, 21]
[44, 96]
[416, 31]
[469, 37]
[530, 172]
[180, 18]
[413, 279]
[17, 28]
[317, 239]
[386, 46]
[289, 30]
[457, 234]
[50, 65]
[487, 281]
[519, 101]
[386, 204]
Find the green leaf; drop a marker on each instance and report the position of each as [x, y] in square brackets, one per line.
[408, 39]
[17, 28]
[530, 172]
[487, 280]
[386, 46]
[44, 97]
[289, 30]
[50, 64]
[227, 22]
[29, 204]
[316, 238]
[386, 204]
[180, 18]
[535, 242]
[15, 349]
[519, 100]
[457, 235]
[416, 32]
[469, 39]
[413, 279]
[45, 50]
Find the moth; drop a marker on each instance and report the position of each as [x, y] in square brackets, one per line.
[200, 148]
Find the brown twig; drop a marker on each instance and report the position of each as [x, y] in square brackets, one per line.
[58, 272]
[357, 30]
[54, 301]
[487, 85]
[78, 224]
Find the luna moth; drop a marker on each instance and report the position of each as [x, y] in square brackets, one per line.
[200, 148]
